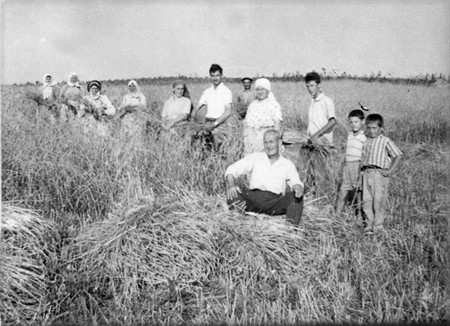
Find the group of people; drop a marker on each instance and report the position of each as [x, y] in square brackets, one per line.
[274, 184]
[274, 187]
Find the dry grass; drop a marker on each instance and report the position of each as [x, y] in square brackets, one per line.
[144, 236]
[28, 254]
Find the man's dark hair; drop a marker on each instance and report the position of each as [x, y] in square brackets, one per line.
[356, 113]
[215, 67]
[312, 76]
[375, 117]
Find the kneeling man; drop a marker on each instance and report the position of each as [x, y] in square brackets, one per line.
[269, 175]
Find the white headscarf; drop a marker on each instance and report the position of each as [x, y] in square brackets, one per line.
[52, 82]
[133, 82]
[77, 84]
[265, 83]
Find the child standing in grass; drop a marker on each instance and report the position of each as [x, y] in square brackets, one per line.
[380, 157]
[351, 179]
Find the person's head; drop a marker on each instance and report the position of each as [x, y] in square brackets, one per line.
[247, 83]
[215, 72]
[73, 77]
[178, 88]
[133, 86]
[374, 125]
[356, 120]
[312, 81]
[262, 88]
[94, 87]
[48, 79]
[272, 142]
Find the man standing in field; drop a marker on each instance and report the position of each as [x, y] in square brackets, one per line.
[321, 121]
[245, 97]
[321, 113]
[270, 173]
[217, 101]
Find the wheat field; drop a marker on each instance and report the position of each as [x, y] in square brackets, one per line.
[134, 228]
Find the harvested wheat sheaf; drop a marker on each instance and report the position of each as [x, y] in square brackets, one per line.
[158, 256]
[27, 256]
[291, 136]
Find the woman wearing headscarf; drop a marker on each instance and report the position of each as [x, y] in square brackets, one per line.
[133, 100]
[50, 92]
[178, 107]
[263, 113]
[96, 107]
[71, 95]
[96, 104]
[133, 110]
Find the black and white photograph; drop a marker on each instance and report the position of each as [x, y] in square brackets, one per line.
[224, 162]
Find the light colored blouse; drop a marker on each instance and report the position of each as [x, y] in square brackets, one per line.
[99, 101]
[72, 93]
[133, 99]
[265, 113]
[175, 106]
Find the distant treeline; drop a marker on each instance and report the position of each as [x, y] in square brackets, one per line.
[427, 79]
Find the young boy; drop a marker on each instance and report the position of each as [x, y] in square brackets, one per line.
[380, 157]
[351, 179]
[321, 121]
[321, 115]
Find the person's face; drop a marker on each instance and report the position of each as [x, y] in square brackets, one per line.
[261, 93]
[178, 90]
[271, 145]
[132, 88]
[313, 88]
[94, 90]
[373, 130]
[355, 124]
[48, 79]
[216, 77]
[73, 79]
[247, 84]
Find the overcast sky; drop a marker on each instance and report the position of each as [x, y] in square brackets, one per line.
[124, 39]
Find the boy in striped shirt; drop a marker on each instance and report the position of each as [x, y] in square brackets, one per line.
[351, 178]
[379, 159]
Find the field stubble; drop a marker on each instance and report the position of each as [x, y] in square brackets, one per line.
[136, 228]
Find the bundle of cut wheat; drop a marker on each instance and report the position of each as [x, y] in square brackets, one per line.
[296, 137]
[27, 257]
[176, 253]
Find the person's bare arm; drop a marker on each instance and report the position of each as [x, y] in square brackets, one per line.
[325, 129]
[232, 190]
[298, 190]
[196, 110]
[394, 165]
[170, 123]
[226, 114]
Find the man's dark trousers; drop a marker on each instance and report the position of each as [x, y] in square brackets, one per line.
[266, 202]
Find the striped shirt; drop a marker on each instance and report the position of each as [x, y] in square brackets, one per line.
[354, 146]
[379, 151]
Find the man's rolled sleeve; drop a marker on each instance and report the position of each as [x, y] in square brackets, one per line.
[228, 97]
[331, 112]
[243, 166]
[293, 177]
[203, 100]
